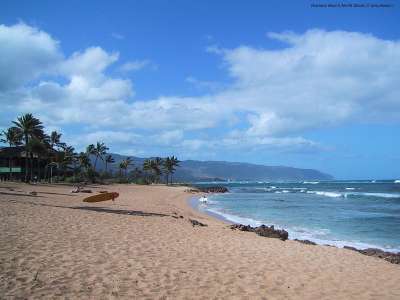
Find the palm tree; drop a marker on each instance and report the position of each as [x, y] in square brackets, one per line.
[147, 167]
[126, 163]
[12, 137]
[109, 160]
[39, 149]
[84, 160]
[121, 167]
[30, 127]
[67, 158]
[169, 165]
[55, 140]
[98, 151]
[156, 166]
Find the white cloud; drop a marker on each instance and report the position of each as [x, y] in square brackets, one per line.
[25, 54]
[92, 62]
[317, 79]
[320, 79]
[137, 65]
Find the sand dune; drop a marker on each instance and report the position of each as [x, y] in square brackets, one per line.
[54, 245]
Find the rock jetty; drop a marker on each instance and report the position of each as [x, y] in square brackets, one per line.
[263, 230]
[394, 258]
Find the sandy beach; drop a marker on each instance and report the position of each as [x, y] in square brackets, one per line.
[143, 245]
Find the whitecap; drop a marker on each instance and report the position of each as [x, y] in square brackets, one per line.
[327, 194]
[378, 195]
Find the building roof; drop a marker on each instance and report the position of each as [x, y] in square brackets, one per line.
[12, 151]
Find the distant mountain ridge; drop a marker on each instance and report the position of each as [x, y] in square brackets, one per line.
[193, 170]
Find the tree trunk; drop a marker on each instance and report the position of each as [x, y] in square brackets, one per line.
[26, 158]
[95, 162]
[26, 166]
[38, 169]
[10, 167]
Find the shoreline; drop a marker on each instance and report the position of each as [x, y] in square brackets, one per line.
[150, 243]
[377, 251]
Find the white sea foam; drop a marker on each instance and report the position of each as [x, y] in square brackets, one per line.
[235, 219]
[378, 195]
[327, 194]
[350, 188]
[397, 181]
[347, 194]
[320, 236]
[310, 182]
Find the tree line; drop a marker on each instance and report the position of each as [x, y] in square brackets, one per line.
[47, 158]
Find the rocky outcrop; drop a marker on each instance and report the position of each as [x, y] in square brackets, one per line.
[394, 258]
[307, 242]
[263, 230]
[213, 189]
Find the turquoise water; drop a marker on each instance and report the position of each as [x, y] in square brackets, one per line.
[362, 214]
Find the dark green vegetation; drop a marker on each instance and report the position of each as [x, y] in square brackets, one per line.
[42, 157]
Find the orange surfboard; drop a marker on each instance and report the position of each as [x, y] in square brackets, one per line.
[101, 197]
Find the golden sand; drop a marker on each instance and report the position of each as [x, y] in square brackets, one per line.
[55, 246]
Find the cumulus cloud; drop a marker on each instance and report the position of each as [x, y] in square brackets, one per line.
[316, 79]
[25, 54]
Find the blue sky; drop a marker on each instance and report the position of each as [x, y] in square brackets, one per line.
[267, 82]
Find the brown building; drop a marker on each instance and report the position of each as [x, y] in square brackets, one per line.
[14, 158]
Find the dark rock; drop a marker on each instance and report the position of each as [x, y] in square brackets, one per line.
[213, 189]
[196, 223]
[192, 191]
[350, 248]
[307, 242]
[263, 230]
[393, 258]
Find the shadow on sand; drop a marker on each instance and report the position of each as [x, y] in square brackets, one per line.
[23, 195]
[120, 211]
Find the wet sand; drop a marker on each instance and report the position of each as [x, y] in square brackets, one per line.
[143, 245]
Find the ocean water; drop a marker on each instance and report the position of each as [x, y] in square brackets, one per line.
[362, 214]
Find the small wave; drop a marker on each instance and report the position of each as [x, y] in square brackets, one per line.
[320, 236]
[327, 194]
[397, 181]
[350, 188]
[377, 195]
[310, 182]
[234, 218]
